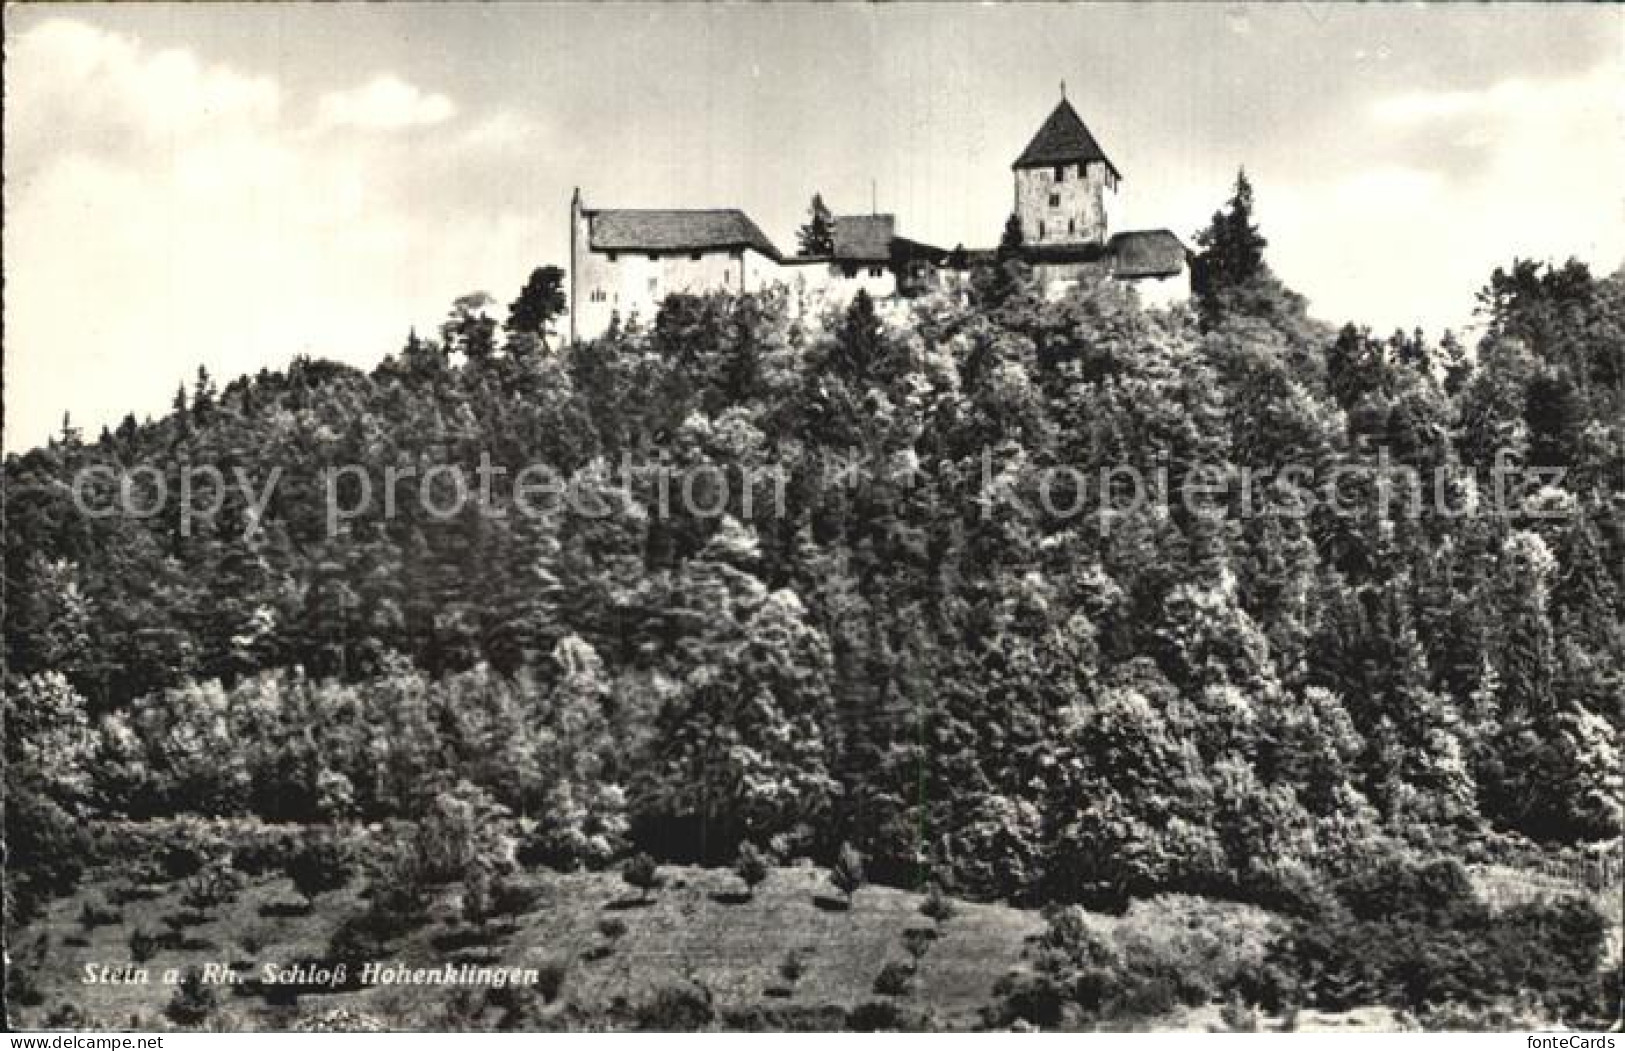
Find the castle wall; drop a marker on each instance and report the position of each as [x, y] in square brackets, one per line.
[1081, 212]
[633, 284]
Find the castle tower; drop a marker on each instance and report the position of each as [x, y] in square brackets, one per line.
[1066, 187]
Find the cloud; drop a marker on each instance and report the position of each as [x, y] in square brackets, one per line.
[386, 103]
[1445, 186]
[164, 213]
[142, 99]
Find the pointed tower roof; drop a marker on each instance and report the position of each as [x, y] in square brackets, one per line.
[1063, 140]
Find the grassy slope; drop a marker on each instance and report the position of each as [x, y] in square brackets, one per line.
[697, 925]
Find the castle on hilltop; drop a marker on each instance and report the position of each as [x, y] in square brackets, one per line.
[623, 262]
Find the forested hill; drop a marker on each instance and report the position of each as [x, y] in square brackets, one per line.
[911, 654]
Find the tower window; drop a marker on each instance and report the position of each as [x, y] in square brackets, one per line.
[1060, 173]
[1054, 200]
[877, 271]
[1041, 228]
[1071, 226]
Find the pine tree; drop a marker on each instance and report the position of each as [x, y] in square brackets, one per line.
[817, 237]
[1011, 241]
[1232, 249]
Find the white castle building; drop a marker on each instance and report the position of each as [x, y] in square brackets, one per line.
[624, 262]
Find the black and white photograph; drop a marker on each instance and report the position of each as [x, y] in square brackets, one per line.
[903, 518]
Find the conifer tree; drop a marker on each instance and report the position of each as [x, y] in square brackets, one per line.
[817, 237]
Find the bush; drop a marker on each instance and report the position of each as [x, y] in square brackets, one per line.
[1436, 893]
[641, 874]
[1238, 1017]
[143, 945]
[212, 886]
[359, 939]
[254, 937]
[917, 941]
[465, 831]
[264, 850]
[582, 827]
[894, 979]
[847, 872]
[69, 1016]
[476, 903]
[887, 1016]
[937, 906]
[188, 845]
[44, 851]
[318, 866]
[550, 978]
[95, 912]
[1546, 951]
[612, 928]
[22, 987]
[193, 1001]
[514, 897]
[682, 1008]
[792, 967]
[751, 867]
[786, 1018]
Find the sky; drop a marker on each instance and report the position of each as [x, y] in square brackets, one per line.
[231, 186]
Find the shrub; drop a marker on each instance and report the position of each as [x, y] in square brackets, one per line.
[894, 979]
[465, 831]
[792, 967]
[476, 903]
[1036, 999]
[44, 851]
[847, 872]
[69, 1016]
[917, 941]
[22, 987]
[677, 1009]
[143, 945]
[193, 1001]
[550, 978]
[641, 873]
[751, 867]
[359, 939]
[937, 906]
[612, 928]
[264, 850]
[1437, 893]
[95, 912]
[1548, 952]
[583, 826]
[318, 866]
[212, 886]
[786, 1018]
[887, 1016]
[188, 845]
[254, 937]
[1237, 1016]
[514, 897]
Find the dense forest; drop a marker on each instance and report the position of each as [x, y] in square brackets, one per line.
[873, 630]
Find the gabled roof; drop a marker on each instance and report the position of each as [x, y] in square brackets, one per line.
[864, 238]
[674, 230]
[1063, 140]
[1147, 253]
